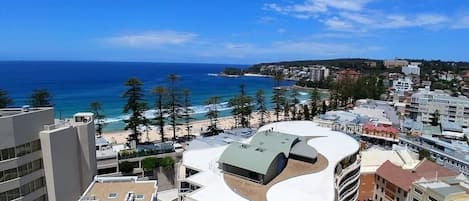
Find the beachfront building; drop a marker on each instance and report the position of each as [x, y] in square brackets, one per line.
[120, 188]
[282, 161]
[43, 158]
[318, 73]
[343, 121]
[454, 188]
[395, 63]
[452, 109]
[394, 183]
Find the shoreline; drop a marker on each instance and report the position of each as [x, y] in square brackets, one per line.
[198, 126]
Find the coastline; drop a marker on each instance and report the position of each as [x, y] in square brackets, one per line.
[199, 126]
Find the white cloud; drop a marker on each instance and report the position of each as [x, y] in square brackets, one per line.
[152, 39]
[311, 8]
[420, 20]
[461, 23]
[281, 30]
[337, 24]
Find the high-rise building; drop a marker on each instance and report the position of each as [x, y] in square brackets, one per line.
[45, 159]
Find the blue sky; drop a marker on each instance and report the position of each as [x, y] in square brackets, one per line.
[231, 31]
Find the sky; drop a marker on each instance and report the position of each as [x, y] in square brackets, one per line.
[233, 31]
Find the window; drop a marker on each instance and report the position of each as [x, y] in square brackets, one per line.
[415, 199]
[376, 196]
[112, 195]
[431, 198]
[139, 197]
[398, 190]
[8, 153]
[418, 191]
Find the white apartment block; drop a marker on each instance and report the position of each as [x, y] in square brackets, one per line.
[453, 109]
[402, 85]
[45, 159]
[411, 70]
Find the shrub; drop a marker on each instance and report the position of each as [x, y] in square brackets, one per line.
[149, 163]
[126, 167]
[166, 162]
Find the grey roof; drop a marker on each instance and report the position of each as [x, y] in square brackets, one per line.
[451, 126]
[446, 191]
[303, 149]
[258, 155]
[248, 157]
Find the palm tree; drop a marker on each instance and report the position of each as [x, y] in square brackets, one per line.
[187, 111]
[96, 108]
[278, 97]
[242, 107]
[174, 106]
[159, 121]
[136, 106]
[260, 106]
[40, 98]
[212, 113]
[4, 99]
[294, 101]
[315, 97]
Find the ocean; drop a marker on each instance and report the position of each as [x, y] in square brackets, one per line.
[74, 85]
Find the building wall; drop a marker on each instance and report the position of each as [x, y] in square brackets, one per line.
[62, 169]
[449, 109]
[20, 137]
[87, 153]
[386, 191]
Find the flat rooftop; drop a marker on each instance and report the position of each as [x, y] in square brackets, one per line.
[119, 188]
[8, 112]
[315, 183]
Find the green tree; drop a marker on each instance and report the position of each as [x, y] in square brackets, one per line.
[136, 106]
[4, 99]
[174, 103]
[126, 167]
[187, 111]
[315, 97]
[278, 100]
[149, 163]
[294, 101]
[96, 109]
[424, 154]
[435, 118]
[306, 113]
[166, 162]
[324, 107]
[212, 114]
[159, 120]
[40, 98]
[242, 107]
[261, 106]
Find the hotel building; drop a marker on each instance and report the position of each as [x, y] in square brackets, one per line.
[282, 161]
[45, 159]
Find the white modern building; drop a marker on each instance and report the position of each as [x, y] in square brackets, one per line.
[402, 85]
[452, 109]
[212, 168]
[411, 70]
[373, 158]
[45, 159]
[120, 188]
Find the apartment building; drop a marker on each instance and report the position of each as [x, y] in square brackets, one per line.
[43, 158]
[411, 70]
[402, 85]
[455, 188]
[393, 183]
[395, 63]
[452, 109]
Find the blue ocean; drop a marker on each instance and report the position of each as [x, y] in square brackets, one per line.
[74, 85]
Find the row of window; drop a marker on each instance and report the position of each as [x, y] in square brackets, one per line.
[20, 171]
[20, 150]
[23, 190]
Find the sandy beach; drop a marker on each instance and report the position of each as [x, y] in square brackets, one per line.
[119, 137]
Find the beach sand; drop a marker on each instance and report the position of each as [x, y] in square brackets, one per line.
[120, 137]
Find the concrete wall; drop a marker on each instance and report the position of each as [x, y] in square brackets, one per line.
[87, 154]
[61, 166]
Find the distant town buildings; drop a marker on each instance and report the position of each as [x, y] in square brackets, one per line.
[411, 70]
[231, 168]
[452, 109]
[402, 85]
[45, 159]
[348, 73]
[394, 182]
[395, 63]
[120, 188]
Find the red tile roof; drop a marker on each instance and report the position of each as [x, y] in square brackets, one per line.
[404, 178]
